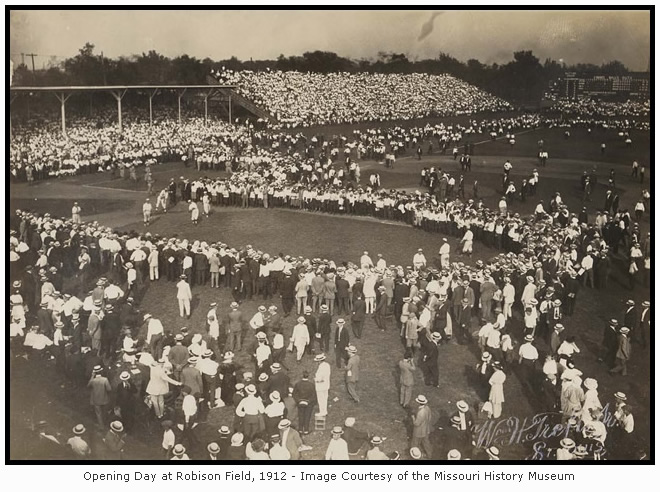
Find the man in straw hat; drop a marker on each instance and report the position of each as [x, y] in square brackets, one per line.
[337, 448]
[179, 453]
[300, 338]
[78, 444]
[353, 373]
[99, 397]
[114, 441]
[422, 426]
[622, 353]
[341, 342]
[322, 383]
[430, 358]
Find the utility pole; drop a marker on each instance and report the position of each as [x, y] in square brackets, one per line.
[103, 69]
[32, 55]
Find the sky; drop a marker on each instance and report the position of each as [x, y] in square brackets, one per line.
[489, 36]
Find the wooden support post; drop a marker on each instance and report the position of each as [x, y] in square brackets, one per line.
[119, 95]
[62, 97]
[180, 95]
[151, 116]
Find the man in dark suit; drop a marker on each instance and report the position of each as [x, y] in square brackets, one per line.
[45, 320]
[110, 329]
[304, 393]
[430, 358]
[645, 324]
[380, 312]
[464, 322]
[125, 400]
[253, 267]
[454, 438]
[171, 190]
[358, 316]
[279, 380]
[323, 330]
[631, 318]
[342, 339]
[343, 293]
[401, 290]
[457, 296]
[288, 291]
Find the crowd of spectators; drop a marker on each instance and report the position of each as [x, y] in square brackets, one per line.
[40, 152]
[96, 333]
[592, 108]
[308, 99]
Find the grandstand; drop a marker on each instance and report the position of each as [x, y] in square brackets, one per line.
[298, 99]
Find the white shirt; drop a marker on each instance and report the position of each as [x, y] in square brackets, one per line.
[337, 450]
[262, 353]
[528, 351]
[154, 327]
[257, 321]
[169, 439]
[322, 377]
[587, 262]
[183, 290]
[419, 259]
[189, 406]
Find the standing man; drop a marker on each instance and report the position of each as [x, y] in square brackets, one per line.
[645, 324]
[380, 313]
[406, 378]
[194, 212]
[358, 316]
[430, 358]
[184, 296]
[75, 213]
[300, 338]
[100, 394]
[337, 448]
[125, 400]
[342, 339]
[322, 383]
[146, 212]
[323, 329]
[235, 324]
[422, 427]
[444, 253]
[304, 395]
[352, 373]
[622, 352]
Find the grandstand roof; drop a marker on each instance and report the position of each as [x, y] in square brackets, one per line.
[113, 87]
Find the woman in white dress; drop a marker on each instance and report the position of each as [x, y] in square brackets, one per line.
[467, 242]
[496, 396]
[591, 400]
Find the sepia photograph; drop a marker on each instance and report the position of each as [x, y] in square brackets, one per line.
[329, 235]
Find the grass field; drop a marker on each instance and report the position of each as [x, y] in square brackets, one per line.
[116, 204]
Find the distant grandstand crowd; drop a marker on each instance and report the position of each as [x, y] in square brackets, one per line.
[39, 151]
[309, 99]
[592, 108]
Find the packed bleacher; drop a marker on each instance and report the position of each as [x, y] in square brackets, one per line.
[308, 99]
[41, 152]
[588, 107]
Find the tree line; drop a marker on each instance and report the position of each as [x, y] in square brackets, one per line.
[523, 79]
